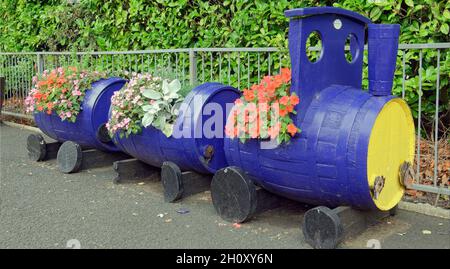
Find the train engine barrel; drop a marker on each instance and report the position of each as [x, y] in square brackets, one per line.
[383, 46]
[353, 142]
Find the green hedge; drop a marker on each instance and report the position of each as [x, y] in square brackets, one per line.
[139, 24]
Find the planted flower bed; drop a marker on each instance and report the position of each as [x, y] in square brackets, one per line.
[70, 104]
[145, 101]
[264, 111]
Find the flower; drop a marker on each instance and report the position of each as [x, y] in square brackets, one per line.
[249, 95]
[264, 110]
[294, 99]
[284, 100]
[76, 93]
[285, 75]
[292, 129]
[58, 89]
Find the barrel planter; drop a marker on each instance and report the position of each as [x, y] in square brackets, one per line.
[88, 130]
[353, 142]
[195, 151]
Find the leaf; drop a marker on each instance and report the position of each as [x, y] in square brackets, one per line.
[171, 88]
[410, 3]
[444, 28]
[168, 129]
[147, 107]
[159, 122]
[375, 13]
[147, 119]
[447, 14]
[152, 94]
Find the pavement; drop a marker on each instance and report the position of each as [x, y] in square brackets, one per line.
[43, 208]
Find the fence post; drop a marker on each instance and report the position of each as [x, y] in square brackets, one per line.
[192, 67]
[39, 63]
[2, 93]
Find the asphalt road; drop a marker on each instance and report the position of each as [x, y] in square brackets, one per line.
[42, 208]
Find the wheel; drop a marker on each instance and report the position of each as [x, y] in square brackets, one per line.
[36, 146]
[171, 180]
[393, 211]
[233, 195]
[69, 157]
[322, 228]
[103, 134]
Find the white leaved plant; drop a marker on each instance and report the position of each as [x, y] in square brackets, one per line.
[162, 111]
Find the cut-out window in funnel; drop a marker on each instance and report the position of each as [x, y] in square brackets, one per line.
[314, 47]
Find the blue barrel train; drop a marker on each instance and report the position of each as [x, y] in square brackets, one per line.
[352, 145]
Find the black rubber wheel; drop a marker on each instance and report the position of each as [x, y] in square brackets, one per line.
[233, 195]
[37, 148]
[171, 180]
[69, 157]
[393, 211]
[103, 134]
[322, 228]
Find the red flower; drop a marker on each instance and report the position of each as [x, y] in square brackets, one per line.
[249, 95]
[283, 112]
[294, 100]
[292, 129]
[290, 108]
[285, 75]
[284, 100]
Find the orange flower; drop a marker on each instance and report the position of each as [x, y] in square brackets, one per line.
[292, 129]
[40, 108]
[50, 106]
[290, 108]
[285, 75]
[38, 96]
[294, 100]
[283, 112]
[249, 95]
[49, 112]
[284, 100]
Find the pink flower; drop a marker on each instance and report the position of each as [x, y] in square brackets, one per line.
[68, 114]
[76, 93]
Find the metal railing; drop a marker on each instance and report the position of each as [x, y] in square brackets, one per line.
[239, 67]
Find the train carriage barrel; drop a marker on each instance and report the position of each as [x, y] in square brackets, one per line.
[189, 147]
[89, 129]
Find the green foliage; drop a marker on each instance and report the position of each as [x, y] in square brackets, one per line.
[54, 25]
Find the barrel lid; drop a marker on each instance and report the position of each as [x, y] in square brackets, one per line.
[207, 105]
[391, 143]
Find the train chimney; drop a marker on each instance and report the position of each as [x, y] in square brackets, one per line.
[383, 46]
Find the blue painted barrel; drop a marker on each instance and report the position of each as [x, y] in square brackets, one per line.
[350, 138]
[188, 152]
[89, 125]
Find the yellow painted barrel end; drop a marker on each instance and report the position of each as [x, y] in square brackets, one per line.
[392, 142]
